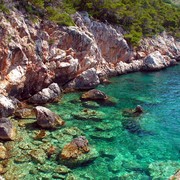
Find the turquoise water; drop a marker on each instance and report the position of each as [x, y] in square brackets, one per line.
[151, 152]
[146, 147]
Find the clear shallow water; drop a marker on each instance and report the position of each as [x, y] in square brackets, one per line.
[153, 152]
[145, 150]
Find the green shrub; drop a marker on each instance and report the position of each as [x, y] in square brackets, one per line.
[3, 8]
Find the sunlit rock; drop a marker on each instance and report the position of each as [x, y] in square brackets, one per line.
[77, 152]
[49, 94]
[7, 130]
[94, 94]
[46, 118]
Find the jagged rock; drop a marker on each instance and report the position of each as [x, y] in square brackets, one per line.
[88, 114]
[7, 106]
[77, 152]
[49, 94]
[94, 94]
[3, 152]
[23, 113]
[154, 61]
[176, 176]
[87, 80]
[7, 131]
[46, 118]
[77, 147]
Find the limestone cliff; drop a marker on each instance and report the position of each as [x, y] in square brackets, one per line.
[34, 55]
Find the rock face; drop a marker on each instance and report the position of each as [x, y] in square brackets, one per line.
[77, 152]
[46, 118]
[49, 94]
[35, 55]
[7, 131]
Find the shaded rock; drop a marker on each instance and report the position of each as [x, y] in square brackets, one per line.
[176, 176]
[86, 80]
[7, 106]
[49, 94]
[22, 158]
[46, 118]
[77, 152]
[23, 113]
[7, 131]
[38, 155]
[154, 61]
[3, 152]
[88, 114]
[132, 125]
[94, 94]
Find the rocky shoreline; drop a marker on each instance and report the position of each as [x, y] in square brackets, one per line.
[41, 60]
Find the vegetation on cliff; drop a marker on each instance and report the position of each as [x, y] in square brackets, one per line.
[138, 17]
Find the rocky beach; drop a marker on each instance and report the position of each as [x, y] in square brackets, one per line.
[63, 113]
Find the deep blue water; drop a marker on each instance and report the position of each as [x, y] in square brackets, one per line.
[152, 150]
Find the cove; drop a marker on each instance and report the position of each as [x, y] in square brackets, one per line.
[147, 149]
[127, 155]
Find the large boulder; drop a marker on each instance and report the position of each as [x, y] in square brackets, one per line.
[86, 80]
[94, 94]
[47, 118]
[154, 61]
[7, 131]
[77, 152]
[7, 106]
[49, 94]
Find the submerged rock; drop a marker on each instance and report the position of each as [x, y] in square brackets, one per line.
[163, 169]
[176, 176]
[87, 80]
[38, 155]
[88, 114]
[77, 152]
[49, 94]
[7, 131]
[3, 152]
[46, 118]
[94, 94]
[90, 104]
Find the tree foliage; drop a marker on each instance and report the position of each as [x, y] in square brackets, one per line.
[138, 17]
